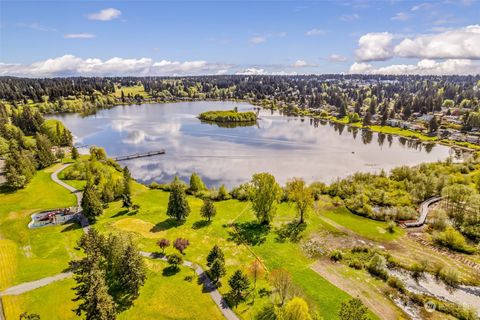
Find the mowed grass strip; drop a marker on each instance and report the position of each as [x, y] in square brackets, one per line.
[35, 253]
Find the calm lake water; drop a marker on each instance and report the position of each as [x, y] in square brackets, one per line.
[284, 146]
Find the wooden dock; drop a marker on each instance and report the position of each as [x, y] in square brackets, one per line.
[138, 155]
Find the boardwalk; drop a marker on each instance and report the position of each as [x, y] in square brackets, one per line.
[424, 208]
[139, 155]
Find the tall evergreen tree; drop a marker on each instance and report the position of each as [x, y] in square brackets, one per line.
[217, 270]
[75, 154]
[127, 193]
[196, 183]
[178, 207]
[45, 156]
[91, 204]
[239, 284]
[215, 253]
[98, 304]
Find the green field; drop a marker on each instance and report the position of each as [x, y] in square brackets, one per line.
[133, 90]
[27, 254]
[234, 229]
[159, 297]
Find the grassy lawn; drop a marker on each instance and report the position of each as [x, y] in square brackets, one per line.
[368, 228]
[31, 254]
[53, 301]
[162, 297]
[150, 224]
[133, 90]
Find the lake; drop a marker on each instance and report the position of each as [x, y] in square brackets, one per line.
[284, 146]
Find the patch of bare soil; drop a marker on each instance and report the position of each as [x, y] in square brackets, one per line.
[371, 292]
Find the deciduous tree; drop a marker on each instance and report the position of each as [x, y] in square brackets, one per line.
[265, 194]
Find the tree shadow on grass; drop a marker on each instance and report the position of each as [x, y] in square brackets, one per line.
[167, 224]
[170, 271]
[252, 233]
[71, 227]
[292, 231]
[207, 284]
[200, 224]
[125, 212]
[120, 213]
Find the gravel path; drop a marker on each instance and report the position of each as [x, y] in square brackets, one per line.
[207, 283]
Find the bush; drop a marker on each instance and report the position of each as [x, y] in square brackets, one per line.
[418, 269]
[376, 266]
[453, 240]
[336, 255]
[450, 277]
[356, 264]
[391, 227]
[396, 283]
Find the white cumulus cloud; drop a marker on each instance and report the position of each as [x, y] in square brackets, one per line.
[302, 64]
[78, 36]
[463, 43]
[105, 14]
[252, 71]
[69, 65]
[423, 67]
[374, 46]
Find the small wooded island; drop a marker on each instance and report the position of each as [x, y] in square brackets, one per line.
[228, 116]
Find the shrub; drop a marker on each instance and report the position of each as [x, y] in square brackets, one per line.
[450, 277]
[356, 264]
[376, 266]
[453, 240]
[390, 227]
[174, 260]
[418, 269]
[336, 255]
[396, 283]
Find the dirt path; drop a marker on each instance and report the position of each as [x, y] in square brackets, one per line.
[370, 294]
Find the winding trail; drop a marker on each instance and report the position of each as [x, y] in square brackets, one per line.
[424, 208]
[28, 286]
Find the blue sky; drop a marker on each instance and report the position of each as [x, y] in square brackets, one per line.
[48, 38]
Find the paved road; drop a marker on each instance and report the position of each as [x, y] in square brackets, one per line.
[424, 208]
